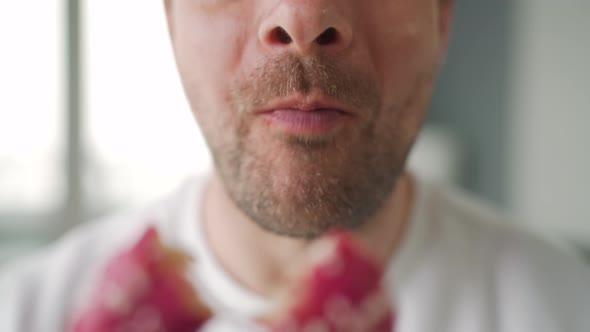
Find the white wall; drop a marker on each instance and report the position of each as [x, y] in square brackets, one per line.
[550, 134]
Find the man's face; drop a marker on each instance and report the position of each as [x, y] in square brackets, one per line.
[309, 106]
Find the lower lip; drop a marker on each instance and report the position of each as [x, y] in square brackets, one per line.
[316, 122]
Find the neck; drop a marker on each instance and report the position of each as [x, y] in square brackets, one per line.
[258, 259]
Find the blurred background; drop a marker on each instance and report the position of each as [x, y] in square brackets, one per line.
[93, 119]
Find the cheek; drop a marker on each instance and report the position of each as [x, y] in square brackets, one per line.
[209, 51]
[403, 53]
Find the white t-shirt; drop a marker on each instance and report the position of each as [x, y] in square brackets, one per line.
[460, 268]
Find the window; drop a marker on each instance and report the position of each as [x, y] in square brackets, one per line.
[31, 117]
[142, 139]
[137, 136]
[31, 122]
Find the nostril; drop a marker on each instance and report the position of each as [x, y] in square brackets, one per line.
[329, 36]
[279, 34]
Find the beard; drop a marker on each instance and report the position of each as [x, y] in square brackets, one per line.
[301, 186]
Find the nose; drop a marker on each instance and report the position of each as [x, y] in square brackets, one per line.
[306, 27]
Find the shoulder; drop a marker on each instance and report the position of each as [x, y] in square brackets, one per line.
[42, 288]
[533, 279]
[476, 223]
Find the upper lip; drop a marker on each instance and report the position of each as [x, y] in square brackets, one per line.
[304, 104]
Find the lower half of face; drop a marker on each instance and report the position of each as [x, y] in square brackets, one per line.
[295, 172]
[302, 182]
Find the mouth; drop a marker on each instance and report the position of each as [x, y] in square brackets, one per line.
[306, 116]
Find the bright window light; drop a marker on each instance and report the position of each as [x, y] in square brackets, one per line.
[31, 116]
[142, 139]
